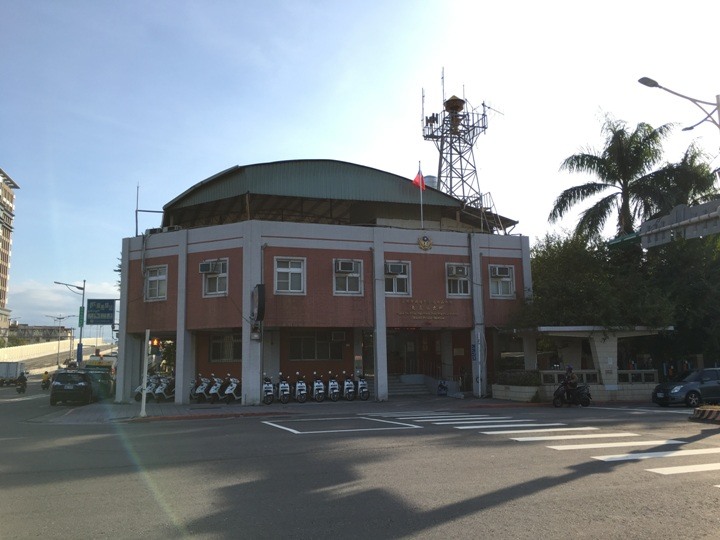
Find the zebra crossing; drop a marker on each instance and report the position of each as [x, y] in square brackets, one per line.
[574, 438]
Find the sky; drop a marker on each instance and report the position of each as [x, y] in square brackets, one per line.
[107, 107]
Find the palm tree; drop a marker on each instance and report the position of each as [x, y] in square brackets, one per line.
[625, 168]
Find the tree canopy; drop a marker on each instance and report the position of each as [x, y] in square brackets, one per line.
[630, 181]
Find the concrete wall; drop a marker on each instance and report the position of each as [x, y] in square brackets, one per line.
[35, 350]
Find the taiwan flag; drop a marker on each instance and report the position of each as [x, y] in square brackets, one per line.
[419, 180]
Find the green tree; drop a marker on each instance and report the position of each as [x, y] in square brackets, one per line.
[690, 181]
[624, 168]
[576, 282]
[688, 273]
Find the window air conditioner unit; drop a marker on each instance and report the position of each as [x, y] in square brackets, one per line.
[500, 271]
[171, 228]
[154, 231]
[457, 271]
[337, 336]
[344, 267]
[209, 267]
[394, 268]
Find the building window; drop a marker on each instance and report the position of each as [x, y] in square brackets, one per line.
[225, 348]
[502, 281]
[215, 274]
[397, 277]
[458, 279]
[347, 277]
[316, 345]
[289, 276]
[156, 283]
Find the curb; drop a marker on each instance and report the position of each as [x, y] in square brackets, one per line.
[711, 416]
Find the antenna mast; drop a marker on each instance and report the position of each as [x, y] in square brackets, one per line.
[454, 132]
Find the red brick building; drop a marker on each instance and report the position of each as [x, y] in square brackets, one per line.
[351, 278]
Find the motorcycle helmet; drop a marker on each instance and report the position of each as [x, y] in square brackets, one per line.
[568, 368]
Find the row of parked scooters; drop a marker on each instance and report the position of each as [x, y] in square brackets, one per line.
[284, 390]
[215, 389]
[159, 388]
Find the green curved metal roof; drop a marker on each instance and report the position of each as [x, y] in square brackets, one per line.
[310, 178]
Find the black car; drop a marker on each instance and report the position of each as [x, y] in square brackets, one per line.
[71, 385]
[103, 384]
[690, 388]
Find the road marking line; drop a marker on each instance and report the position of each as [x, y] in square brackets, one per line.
[614, 444]
[478, 420]
[488, 426]
[430, 418]
[650, 455]
[687, 469]
[282, 427]
[409, 413]
[510, 431]
[567, 437]
[395, 425]
[659, 410]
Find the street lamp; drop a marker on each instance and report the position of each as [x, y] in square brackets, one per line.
[81, 315]
[59, 319]
[651, 83]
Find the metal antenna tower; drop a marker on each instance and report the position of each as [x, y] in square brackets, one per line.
[454, 132]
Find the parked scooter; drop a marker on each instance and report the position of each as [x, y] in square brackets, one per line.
[283, 389]
[580, 396]
[202, 389]
[349, 387]
[216, 389]
[233, 392]
[197, 383]
[300, 388]
[362, 388]
[268, 390]
[318, 388]
[333, 388]
[152, 383]
[165, 389]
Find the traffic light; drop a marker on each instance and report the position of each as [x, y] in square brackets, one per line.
[155, 346]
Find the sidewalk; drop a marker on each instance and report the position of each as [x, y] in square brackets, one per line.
[104, 412]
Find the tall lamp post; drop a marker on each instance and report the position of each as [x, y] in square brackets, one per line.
[59, 319]
[651, 83]
[81, 315]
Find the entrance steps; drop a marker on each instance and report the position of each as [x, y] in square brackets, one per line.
[398, 388]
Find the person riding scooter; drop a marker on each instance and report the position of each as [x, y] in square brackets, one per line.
[45, 381]
[571, 384]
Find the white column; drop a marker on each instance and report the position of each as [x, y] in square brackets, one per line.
[184, 346]
[251, 349]
[380, 338]
[478, 346]
[604, 352]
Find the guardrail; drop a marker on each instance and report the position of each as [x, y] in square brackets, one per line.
[591, 376]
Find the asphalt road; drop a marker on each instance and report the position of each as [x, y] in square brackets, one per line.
[393, 470]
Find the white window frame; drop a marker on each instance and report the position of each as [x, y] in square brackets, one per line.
[296, 266]
[459, 281]
[502, 287]
[395, 279]
[346, 277]
[157, 275]
[217, 278]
